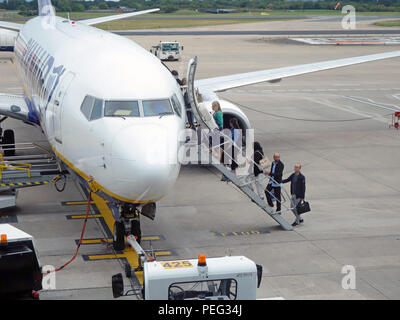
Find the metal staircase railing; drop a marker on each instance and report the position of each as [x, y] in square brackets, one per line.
[243, 186]
[28, 168]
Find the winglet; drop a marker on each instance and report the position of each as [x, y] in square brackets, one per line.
[93, 21]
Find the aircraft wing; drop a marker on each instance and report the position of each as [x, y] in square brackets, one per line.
[223, 83]
[11, 26]
[14, 106]
[93, 21]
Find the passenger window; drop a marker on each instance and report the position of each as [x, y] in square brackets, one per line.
[121, 109]
[176, 105]
[97, 111]
[157, 108]
[86, 106]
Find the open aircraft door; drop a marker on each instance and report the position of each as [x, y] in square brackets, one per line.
[57, 105]
[199, 110]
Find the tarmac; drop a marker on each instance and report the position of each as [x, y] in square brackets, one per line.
[327, 121]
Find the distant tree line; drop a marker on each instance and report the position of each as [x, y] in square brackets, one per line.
[170, 6]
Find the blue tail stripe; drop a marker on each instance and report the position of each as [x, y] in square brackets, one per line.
[45, 8]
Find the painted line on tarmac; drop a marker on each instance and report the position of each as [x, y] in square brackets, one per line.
[128, 256]
[24, 184]
[240, 233]
[83, 216]
[110, 240]
[128, 253]
[101, 212]
[75, 203]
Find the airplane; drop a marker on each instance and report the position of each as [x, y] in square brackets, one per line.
[111, 110]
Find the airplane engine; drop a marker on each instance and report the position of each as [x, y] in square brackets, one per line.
[7, 40]
[230, 111]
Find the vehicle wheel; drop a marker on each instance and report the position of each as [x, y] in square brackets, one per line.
[128, 271]
[135, 230]
[9, 139]
[119, 236]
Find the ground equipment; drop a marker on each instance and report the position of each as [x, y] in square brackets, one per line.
[167, 51]
[223, 278]
[20, 274]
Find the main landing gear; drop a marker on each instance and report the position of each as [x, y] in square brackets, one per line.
[7, 140]
[129, 223]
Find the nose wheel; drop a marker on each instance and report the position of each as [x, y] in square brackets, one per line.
[119, 236]
[128, 224]
[136, 231]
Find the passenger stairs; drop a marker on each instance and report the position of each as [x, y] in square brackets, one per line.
[242, 183]
[31, 166]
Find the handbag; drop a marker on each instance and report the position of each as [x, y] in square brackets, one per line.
[264, 162]
[303, 207]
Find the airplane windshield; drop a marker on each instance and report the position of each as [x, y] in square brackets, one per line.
[157, 108]
[121, 109]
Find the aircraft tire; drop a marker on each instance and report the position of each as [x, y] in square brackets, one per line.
[128, 271]
[136, 231]
[119, 236]
[9, 138]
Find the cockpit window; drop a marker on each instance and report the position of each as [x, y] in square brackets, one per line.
[97, 111]
[86, 106]
[92, 108]
[121, 109]
[157, 108]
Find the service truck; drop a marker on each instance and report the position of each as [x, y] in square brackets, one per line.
[167, 51]
[220, 278]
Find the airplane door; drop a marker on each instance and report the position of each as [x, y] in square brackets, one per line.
[192, 96]
[58, 105]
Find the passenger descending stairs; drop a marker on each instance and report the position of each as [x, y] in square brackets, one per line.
[243, 187]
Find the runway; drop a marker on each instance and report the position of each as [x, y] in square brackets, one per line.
[210, 17]
[258, 17]
[341, 32]
[330, 122]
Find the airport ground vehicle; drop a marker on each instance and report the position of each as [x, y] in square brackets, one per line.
[223, 278]
[20, 274]
[167, 51]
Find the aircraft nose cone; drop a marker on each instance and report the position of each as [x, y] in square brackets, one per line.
[144, 161]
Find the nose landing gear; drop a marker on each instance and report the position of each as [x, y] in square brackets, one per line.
[129, 223]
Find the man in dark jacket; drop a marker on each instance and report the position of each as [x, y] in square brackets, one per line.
[274, 184]
[297, 190]
[176, 76]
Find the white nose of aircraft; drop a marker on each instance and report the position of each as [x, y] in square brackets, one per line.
[144, 161]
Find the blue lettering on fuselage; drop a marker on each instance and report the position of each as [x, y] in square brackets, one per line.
[6, 48]
[40, 73]
[57, 73]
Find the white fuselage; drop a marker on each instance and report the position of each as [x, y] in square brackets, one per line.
[130, 158]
